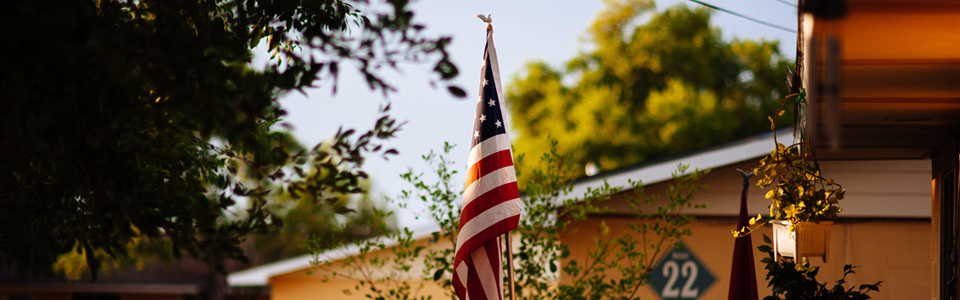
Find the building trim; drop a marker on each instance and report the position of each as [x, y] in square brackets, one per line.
[260, 276]
[662, 170]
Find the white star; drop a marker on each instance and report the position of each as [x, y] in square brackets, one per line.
[476, 134]
[480, 98]
[492, 103]
[484, 64]
[498, 123]
[485, 82]
[483, 118]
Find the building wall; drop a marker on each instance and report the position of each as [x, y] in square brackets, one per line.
[875, 189]
[335, 290]
[885, 225]
[896, 252]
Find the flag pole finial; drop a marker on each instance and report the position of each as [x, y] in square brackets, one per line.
[486, 19]
[746, 176]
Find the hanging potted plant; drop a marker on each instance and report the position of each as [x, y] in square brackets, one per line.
[803, 202]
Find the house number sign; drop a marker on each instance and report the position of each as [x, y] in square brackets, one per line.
[680, 275]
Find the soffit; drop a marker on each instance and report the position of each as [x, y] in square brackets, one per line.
[899, 79]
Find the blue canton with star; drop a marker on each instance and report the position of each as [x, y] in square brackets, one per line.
[489, 120]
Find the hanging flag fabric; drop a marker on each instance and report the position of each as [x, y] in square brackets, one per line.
[491, 201]
[743, 275]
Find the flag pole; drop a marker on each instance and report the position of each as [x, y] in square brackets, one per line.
[509, 252]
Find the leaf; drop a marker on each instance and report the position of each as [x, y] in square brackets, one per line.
[299, 171]
[457, 91]
[765, 248]
[255, 35]
[872, 287]
[344, 210]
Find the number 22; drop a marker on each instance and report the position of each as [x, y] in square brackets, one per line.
[672, 270]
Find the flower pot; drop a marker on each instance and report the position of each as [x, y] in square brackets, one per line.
[808, 240]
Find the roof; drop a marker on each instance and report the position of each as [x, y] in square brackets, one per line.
[649, 172]
[662, 169]
[260, 276]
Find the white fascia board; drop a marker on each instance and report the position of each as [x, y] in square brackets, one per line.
[260, 276]
[730, 154]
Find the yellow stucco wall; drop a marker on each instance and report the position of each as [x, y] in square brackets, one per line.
[875, 189]
[886, 213]
[893, 251]
[896, 252]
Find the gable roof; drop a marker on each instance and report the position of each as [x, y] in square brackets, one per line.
[660, 170]
[260, 276]
[649, 172]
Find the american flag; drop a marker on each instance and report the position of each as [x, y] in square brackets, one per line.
[491, 201]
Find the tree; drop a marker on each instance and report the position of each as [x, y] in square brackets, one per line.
[643, 91]
[616, 266]
[310, 221]
[129, 119]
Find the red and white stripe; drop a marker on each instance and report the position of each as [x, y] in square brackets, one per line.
[491, 207]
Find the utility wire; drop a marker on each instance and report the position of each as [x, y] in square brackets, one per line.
[787, 3]
[745, 17]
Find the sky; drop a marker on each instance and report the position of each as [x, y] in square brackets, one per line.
[551, 31]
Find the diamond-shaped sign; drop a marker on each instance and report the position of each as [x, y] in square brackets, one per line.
[680, 275]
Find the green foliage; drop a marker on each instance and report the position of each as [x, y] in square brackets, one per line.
[801, 192]
[376, 275]
[633, 256]
[130, 119]
[140, 253]
[308, 222]
[549, 215]
[792, 281]
[308, 218]
[647, 90]
[616, 267]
